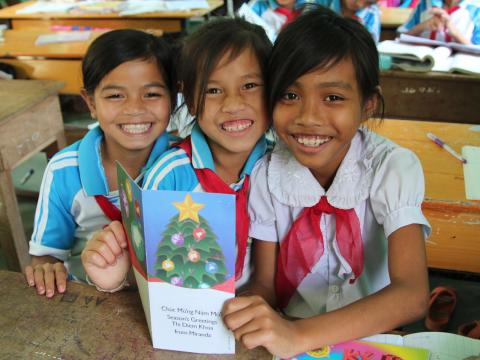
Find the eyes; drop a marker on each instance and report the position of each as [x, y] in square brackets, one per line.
[291, 96]
[250, 86]
[120, 95]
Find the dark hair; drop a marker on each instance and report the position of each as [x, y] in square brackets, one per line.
[319, 38]
[116, 47]
[204, 48]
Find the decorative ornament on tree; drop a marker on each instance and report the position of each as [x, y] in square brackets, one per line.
[137, 208]
[177, 239]
[168, 265]
[199, 234]
[176, 280]
[138, 241]
[128, 190]
[193, 255]
[211, 267]
[123, 196]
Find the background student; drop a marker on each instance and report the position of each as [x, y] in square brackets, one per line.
[366, 12]
[222, 71]
[445, 20]
[129, 87]
[277, 13]
[336, 208]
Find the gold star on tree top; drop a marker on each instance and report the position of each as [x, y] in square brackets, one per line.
[188, 209]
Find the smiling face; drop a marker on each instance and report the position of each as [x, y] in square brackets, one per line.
[132, 106]
[234, 115]
[319, 114]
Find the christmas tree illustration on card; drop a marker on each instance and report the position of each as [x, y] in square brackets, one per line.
[182, 249]
[189, 254]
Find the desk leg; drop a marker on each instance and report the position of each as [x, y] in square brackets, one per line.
[12, 236]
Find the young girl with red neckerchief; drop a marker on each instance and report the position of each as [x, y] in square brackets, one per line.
[222, 70]
[335, 209]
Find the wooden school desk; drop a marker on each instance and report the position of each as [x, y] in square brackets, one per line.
[166, 21]
[455, 240]
[82, 324]
[30, 120]
[431, 96]
[61, 61]
[390, 19]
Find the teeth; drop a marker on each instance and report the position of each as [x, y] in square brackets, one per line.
[136, 128]
[312, 140]
[235, 126]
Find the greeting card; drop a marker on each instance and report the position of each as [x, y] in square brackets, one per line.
[182, 249]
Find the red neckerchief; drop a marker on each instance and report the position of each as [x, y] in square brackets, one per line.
[212, 183]
[303, 246]
[448, 38]
[110, 210]
[289, 14]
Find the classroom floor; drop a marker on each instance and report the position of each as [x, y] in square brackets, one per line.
[466, 285]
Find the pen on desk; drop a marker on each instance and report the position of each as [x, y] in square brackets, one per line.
[440, 143]
[27, 176]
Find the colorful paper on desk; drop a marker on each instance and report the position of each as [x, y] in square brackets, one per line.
[442, 346]
[182, 249]
[63, 37]
[363, 350]
[471, 172]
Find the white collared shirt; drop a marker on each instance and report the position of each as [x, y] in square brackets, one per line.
[382, 181]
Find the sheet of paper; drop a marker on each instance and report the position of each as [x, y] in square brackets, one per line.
[44, 7]
[134, 7]
[391, 339]
[444, 346]
[62, 37]
[471, 172]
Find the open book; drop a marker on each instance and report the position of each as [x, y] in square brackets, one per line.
[468, 49]
[420, 58]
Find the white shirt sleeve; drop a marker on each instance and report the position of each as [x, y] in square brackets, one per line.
[260, 204]
[398, 190]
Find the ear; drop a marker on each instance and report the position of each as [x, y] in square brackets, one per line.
[371, 104]
[90, 101]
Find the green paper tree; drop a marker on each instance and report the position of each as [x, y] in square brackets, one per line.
[188, 254]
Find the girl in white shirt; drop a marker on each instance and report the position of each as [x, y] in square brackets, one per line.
[336, 209]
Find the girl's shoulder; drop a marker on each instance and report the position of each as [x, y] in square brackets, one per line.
[288, 181]
[370, 156]
[166, 165]
[379, 152]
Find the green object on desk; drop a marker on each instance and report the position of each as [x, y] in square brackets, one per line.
[385, 62]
